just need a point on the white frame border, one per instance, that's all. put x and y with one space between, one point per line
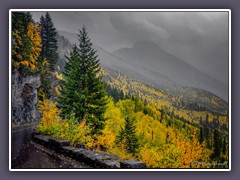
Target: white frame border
121 10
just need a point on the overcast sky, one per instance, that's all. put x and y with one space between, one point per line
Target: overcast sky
199 38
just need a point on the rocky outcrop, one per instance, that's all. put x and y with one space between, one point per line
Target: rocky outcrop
24 98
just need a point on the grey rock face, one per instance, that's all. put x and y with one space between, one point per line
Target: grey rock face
132 164
24 98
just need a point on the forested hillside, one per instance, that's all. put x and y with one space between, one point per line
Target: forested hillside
190 104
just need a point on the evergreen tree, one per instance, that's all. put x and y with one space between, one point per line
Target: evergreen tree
121 95
224 148
120 137
83 90
49 56
201 121
45 90
172 114
127 136
131 139
167 138
169 122
162 113
207 120
20 21
217 144
201 137
49 41
207 136
29 17
139 105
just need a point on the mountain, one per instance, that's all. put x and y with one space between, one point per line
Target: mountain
179 98
149 56
148 63
112 61
64 47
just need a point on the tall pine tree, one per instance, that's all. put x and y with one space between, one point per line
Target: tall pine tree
45 90
127 136
131 139
207 120
207 136
217 144
201 137
224 148
83 92
49 41
49 55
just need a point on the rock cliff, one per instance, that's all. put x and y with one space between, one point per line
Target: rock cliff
24 98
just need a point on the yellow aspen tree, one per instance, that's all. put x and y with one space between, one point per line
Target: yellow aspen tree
26 56
35 40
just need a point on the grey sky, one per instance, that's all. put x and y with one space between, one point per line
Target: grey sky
199 38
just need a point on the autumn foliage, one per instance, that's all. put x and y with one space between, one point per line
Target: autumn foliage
69 129
27 47
159 145
137 122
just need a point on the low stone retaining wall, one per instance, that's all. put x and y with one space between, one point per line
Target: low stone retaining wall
93 159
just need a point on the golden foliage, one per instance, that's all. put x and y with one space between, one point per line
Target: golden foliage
160 145
179 152
50 116
69 129
58 75
35 42
159 98
113 123
27 56
74 132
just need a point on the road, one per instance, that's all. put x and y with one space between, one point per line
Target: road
26 155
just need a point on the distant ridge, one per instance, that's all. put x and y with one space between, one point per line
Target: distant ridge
148 63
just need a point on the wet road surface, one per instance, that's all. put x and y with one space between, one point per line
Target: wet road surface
27 155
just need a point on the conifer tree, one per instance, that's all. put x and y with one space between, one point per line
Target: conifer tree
131 139
201 121
45 90
172 114
207 136
201 137
49 56
20 21
121 95
127 136
120 137
83 92
217 144
207 120
167 138
224 148
162 112
49 41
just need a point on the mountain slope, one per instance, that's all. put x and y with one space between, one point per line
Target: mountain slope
188 103
155 87
64 48
148 63
147 55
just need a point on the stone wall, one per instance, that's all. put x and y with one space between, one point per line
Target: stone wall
89 157
24 98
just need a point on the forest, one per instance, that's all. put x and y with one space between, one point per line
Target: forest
108 111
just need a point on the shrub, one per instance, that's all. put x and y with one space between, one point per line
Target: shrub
69 129
50 117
